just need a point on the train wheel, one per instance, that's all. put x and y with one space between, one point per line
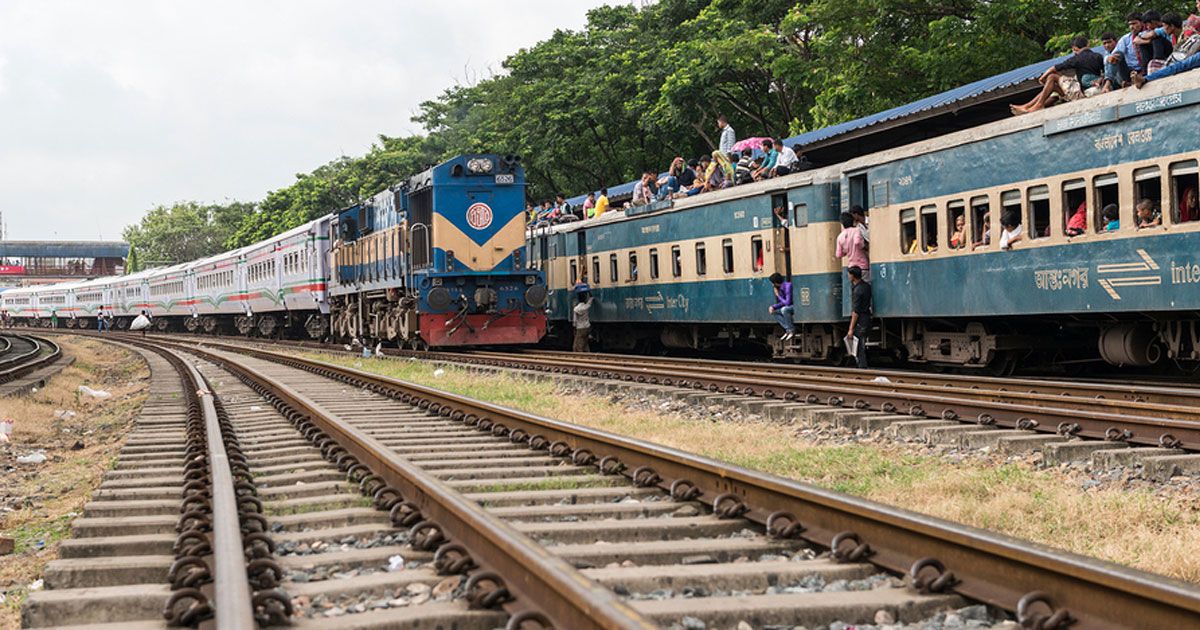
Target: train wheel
267 325
210 325
191 324
162 324
316 326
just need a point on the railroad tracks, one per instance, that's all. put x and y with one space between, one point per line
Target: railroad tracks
545 523
25 362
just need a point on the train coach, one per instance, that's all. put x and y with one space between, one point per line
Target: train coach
692 273
437 261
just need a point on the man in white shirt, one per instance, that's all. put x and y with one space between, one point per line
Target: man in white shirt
786 162
728 137
1010 224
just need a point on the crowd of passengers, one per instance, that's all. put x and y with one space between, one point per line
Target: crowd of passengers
1155 47
733 163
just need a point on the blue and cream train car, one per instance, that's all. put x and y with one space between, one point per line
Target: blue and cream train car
1130 296
437 261
694 273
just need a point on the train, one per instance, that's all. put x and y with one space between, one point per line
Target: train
693 274
434 261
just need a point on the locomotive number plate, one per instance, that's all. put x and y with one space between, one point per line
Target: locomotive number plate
506 178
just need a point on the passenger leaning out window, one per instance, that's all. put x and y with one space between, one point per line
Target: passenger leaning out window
1148 215
1112 217
1010 229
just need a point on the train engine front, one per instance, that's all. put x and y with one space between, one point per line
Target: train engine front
437 261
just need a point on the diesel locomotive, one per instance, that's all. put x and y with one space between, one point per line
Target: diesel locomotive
435 261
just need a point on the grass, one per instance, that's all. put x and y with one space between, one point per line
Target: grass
44 499
549 483
1141 528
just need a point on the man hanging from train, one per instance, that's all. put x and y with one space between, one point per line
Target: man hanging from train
783 309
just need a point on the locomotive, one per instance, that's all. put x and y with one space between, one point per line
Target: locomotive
434 262
693 273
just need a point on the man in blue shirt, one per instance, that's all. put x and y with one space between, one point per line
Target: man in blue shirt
1126 57
770 157
782 309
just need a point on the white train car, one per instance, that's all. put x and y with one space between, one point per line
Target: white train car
87 300
286 278
170 297
55 302
131 296
218 289
20 304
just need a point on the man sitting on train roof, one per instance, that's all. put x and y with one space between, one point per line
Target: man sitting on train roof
1088 67
1186 55
1125 57
644 192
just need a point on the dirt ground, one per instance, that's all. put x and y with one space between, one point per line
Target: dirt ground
1152 527
79 436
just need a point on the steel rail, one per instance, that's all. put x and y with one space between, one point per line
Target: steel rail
918 400
1043 585
540 581
20 365
7 345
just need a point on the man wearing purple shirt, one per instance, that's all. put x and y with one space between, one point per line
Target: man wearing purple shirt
782 308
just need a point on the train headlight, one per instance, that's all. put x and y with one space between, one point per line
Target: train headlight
439 298
480 165
535 296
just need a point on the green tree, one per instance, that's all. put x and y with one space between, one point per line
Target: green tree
184 231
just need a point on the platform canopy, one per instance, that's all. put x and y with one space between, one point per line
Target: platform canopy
63 249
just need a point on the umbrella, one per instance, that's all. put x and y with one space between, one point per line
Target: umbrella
749 143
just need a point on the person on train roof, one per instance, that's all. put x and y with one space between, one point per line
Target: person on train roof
743 173
1125 58
1088 67
589 205
851 246
669 184
1148 215
1186 55
786 163
1154 50
768 164
1112 217
728 135
601 204
643 191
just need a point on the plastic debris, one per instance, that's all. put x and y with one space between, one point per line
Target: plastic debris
94 393
379 349
64 414
6 426
141 322
439 372
37 585
881 379
35 457
395 563
255 408
366 352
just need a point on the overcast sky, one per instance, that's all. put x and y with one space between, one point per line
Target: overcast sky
108 108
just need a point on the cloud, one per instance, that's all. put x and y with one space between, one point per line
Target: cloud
109 108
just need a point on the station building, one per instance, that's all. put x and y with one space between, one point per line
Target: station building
25 263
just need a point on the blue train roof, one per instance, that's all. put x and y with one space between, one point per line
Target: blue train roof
64 249
945 101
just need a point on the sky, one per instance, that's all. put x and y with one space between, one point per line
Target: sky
110 108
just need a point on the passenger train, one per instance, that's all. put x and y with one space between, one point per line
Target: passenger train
693 273
433 262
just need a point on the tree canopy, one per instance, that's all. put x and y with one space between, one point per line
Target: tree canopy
638 86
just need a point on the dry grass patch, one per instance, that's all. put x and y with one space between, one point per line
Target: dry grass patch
37 502
1152 531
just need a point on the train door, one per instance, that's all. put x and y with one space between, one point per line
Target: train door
580 262
858 191
781 213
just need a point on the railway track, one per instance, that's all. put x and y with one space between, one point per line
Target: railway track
25 362
504 517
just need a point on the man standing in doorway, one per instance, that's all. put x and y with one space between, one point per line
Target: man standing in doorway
728 137
860 314
581 317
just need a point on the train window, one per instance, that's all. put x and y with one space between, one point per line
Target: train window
1039 211
633 268
958 233
653 263
929 227
1185 185
701 260
1106 193
800 215
1147 183
596 269
1010 207
779 209
574 272
756 254
612 267
1074 207
727 255
676 261
908 231
981 216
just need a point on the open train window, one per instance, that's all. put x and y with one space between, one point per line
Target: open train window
957 211
654 263
1185 187
612 267
929 227
1039 211
1106 192
596 269
676 261
1074 194
727 255
981 217
756 254
1147 184
633 268
1010 207
908 231
574 272
701 260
